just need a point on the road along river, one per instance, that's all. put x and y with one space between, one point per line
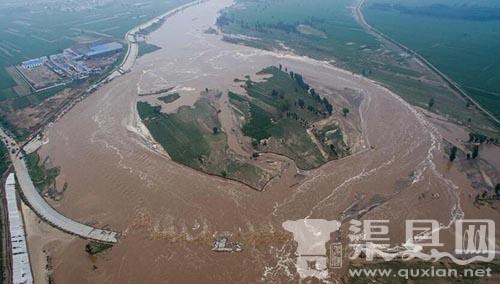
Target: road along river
43 209
168 214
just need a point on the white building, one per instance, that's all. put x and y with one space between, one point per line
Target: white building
32 63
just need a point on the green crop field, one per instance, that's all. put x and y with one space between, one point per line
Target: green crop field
30 30
462 38
180 134
193 137
327 30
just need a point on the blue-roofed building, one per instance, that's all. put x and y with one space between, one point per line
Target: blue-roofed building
101 49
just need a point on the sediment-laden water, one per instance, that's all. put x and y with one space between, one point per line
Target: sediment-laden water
168 213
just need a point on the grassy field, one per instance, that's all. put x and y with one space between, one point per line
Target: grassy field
169 98
43 177
332 33
193 137
34 99
4 158
145 48
279 112
181 136
19 133
93 248
461 41
34 30
271 21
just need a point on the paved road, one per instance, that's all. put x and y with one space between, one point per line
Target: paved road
42 208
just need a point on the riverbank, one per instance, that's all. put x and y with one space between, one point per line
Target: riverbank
133 46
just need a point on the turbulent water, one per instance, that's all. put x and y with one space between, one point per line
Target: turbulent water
168 213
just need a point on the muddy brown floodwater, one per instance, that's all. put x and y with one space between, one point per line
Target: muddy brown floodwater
168 213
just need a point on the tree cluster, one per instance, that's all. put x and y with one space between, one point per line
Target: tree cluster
480 138
300 81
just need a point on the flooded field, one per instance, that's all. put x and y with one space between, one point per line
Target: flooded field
169 214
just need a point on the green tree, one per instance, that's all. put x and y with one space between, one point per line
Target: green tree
345 111
453 153
475 151
431 102
301 103
284 106
328 106
313 92
255 143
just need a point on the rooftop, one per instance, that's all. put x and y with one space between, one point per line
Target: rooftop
100 49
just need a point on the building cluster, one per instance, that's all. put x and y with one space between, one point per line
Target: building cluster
21 268
71 64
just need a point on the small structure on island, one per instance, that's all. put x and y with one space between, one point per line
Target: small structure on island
222 244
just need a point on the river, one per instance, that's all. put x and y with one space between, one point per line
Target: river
168 213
